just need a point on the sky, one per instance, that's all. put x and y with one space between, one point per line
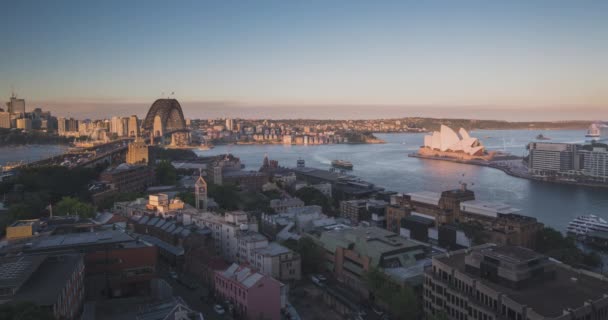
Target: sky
512 60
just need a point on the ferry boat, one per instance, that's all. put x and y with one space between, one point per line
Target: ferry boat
342 164
542 137
583 225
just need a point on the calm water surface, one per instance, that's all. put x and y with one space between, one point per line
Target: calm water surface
388 165
28 153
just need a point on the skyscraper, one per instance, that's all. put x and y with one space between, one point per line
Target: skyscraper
133 126
16 106
229 124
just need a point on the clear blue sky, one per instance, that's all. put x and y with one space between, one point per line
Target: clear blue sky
392 57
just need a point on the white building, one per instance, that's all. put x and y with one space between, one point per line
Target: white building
278 262
448 140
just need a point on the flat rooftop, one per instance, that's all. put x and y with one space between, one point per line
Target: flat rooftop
66 241
14 271
273 249
45 285
512 254
21 223
569 289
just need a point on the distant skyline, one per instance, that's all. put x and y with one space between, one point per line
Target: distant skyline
509 60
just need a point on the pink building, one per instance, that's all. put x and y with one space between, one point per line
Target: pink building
253 295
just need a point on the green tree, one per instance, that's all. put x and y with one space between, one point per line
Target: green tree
401 300
108 202
73 206
226 196
187 197
552 243
312 196
166 173
24 311
312 255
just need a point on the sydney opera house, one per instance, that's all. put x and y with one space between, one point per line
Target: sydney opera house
447 143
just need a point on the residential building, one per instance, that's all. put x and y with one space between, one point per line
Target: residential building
354 210
252 295
226 231
509 282
52 282
370 210
284 204
595 163
278 262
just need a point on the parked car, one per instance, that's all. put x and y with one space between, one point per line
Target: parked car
218 309
321 277
317 281
173 274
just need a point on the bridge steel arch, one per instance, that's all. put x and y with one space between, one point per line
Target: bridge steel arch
170 113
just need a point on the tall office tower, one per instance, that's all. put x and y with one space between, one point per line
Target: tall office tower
133 126
16 106
114 124
5 120
124 129
72 125
229 124
62 126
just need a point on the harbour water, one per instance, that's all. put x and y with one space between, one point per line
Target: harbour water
29 153
388 165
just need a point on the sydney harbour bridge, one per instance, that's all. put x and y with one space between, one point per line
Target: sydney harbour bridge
166 118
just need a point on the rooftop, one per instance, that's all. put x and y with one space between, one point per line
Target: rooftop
14 271
45 285
425 197
21 223
70 240
373 242
243 275
273 249
570 289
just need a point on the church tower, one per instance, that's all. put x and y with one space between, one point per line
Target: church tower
200 193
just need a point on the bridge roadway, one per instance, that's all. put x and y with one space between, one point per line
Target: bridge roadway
83 157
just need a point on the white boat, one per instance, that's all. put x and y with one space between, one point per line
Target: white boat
583 225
